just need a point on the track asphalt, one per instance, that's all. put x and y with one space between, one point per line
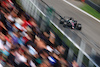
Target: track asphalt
90 27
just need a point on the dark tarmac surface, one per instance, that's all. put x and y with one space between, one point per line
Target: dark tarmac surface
90 27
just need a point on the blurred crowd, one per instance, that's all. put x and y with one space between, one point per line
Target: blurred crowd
22 44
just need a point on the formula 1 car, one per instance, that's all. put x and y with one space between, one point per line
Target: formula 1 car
70 22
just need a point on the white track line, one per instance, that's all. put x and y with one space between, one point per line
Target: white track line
37 8
67 37
74 43
81 10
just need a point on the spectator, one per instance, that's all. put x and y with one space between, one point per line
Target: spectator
21 42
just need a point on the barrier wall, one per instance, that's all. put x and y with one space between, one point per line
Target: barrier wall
46 17
96 2
93 4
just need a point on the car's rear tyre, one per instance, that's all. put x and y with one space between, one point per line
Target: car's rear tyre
61 21
79 26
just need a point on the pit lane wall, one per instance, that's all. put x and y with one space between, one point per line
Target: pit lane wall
93 3
48 20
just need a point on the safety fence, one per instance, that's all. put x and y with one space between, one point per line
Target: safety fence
48 19
96 2
93 3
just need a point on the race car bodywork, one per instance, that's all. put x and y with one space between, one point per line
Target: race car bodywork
70 22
